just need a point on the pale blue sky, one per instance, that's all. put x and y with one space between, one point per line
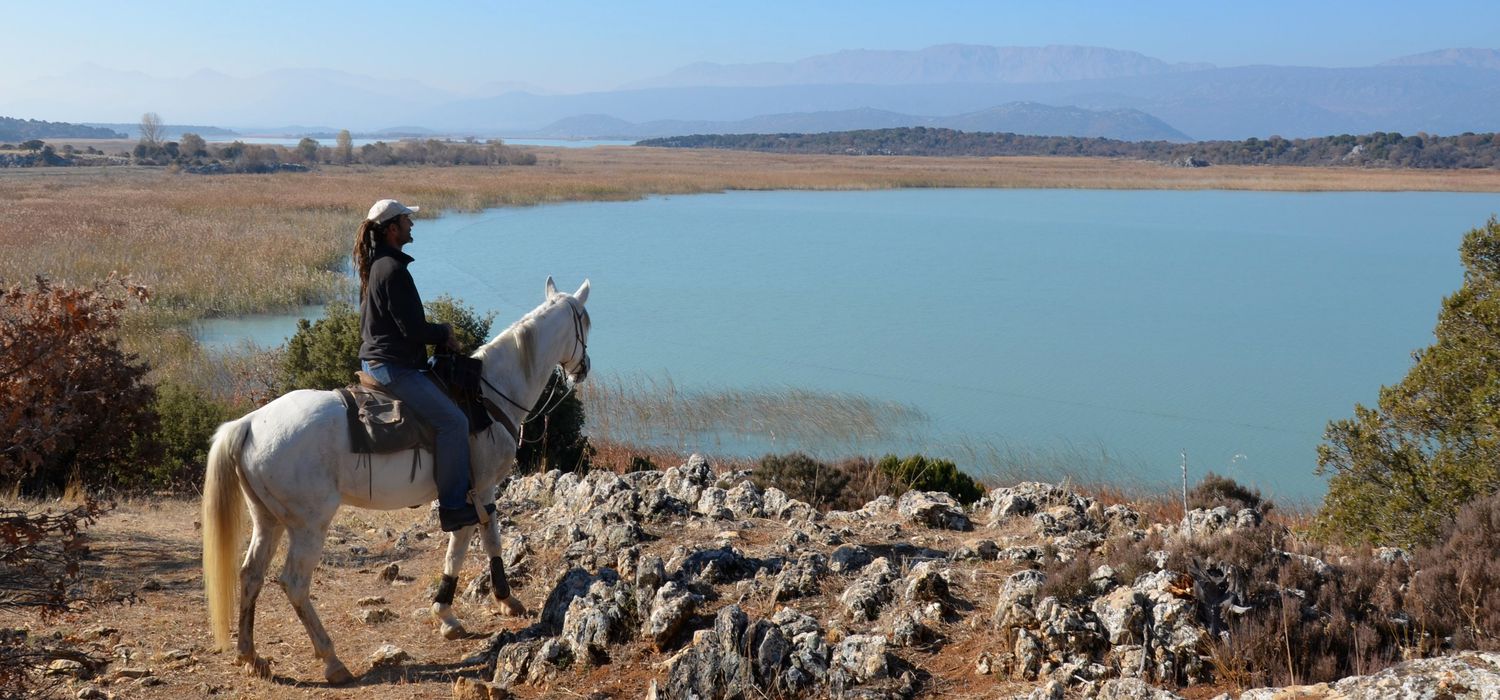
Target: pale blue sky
568 45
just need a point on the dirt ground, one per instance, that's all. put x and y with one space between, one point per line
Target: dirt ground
151 548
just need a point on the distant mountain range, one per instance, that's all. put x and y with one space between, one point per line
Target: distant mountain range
1448 91
1016 117
949 63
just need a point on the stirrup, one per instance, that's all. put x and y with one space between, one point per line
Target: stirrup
484 516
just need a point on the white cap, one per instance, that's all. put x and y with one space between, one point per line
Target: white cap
387 209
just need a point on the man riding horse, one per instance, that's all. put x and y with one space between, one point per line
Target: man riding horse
394 335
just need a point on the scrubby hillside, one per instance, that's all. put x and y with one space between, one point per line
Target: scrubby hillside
692 583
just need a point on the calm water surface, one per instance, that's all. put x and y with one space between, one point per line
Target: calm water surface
1137 323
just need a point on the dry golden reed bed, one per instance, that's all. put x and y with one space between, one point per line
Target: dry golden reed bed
232 244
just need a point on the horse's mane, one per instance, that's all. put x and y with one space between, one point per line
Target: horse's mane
522 336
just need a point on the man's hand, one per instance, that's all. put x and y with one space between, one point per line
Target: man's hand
452 338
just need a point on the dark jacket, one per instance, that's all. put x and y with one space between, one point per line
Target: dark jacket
392 324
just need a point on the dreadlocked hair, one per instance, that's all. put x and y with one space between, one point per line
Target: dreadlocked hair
364 251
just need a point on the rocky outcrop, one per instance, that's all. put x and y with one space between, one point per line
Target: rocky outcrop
729 590
1465 676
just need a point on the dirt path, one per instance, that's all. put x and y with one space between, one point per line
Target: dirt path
151 549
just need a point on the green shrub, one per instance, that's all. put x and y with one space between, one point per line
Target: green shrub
471 328
562 444
927 474
1214 491
641 463
323 354
186 421
802 478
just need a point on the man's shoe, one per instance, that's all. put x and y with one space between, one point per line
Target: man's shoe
451 519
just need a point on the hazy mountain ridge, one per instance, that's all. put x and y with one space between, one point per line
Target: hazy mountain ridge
1017 117
947 63
1488 59
1444 92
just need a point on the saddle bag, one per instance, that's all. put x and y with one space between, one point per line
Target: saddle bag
379 422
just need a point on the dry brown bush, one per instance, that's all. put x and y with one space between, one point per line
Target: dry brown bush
1458 580
70 399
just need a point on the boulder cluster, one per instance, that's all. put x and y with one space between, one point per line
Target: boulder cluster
728 590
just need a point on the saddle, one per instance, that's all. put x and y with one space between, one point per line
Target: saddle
380 422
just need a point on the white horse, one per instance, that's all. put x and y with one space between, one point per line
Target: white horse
290 461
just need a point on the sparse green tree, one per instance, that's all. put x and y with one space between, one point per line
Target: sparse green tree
33 145
307 150
192 146
343 151
1399 472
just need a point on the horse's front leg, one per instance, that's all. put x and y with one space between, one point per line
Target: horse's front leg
442 603
489 536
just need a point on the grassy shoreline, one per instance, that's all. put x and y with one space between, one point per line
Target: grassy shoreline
226 245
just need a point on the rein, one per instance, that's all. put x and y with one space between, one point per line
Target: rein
550 403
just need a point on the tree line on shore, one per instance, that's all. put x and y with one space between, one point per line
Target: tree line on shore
1378 149
191 152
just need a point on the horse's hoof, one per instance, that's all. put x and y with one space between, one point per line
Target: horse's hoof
512 607
337 674
256 665
453 631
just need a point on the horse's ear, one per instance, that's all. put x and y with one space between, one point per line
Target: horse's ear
551 288
582 295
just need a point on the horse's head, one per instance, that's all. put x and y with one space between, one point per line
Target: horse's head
577 362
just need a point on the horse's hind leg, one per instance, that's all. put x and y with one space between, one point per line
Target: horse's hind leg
303 552
263 540
453 562
489 536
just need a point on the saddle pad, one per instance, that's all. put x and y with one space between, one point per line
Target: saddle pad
379 422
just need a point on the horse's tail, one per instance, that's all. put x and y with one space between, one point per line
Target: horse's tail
223 517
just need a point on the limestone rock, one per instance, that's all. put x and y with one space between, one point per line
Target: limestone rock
66 667
745 501
376 616
980 550
1464 676
862 657
800 578
1132 689
388 655
595 619
934 509
926 583
471 689
673 605
866 596
849 558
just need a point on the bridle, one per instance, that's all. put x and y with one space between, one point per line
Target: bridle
555 397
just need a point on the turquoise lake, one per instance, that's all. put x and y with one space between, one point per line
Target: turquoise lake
1132 324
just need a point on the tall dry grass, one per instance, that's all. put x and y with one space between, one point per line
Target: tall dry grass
653 410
